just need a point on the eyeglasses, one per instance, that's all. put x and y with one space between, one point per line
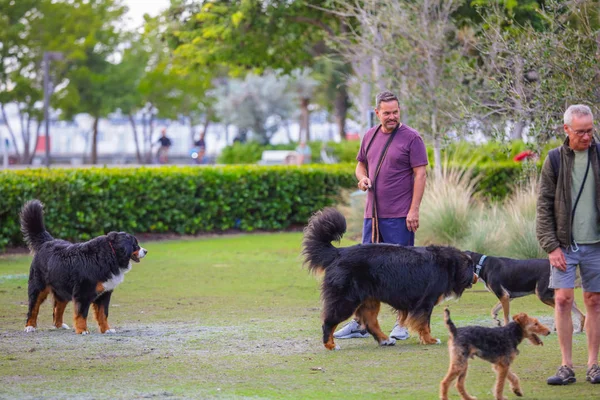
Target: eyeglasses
589 132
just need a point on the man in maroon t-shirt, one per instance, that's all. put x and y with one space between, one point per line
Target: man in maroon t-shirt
392 163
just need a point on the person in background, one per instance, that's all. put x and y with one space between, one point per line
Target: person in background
164 144
304 153
200 146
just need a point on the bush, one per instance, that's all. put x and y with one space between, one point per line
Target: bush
446 208
248 153
83 203
453 213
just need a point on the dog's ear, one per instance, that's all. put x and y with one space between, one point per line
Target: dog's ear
521 319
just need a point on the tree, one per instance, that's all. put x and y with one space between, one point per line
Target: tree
304 86
94 83
167 88
131 71
254 36
17 22
257 103
531 75
416 49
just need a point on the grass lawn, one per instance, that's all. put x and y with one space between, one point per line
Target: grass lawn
238 317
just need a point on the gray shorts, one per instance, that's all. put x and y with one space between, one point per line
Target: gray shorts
588 259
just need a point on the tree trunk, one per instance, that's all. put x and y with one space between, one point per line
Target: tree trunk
363 69
517 132
147 139
437 146
35 142
10 132
24 136
341 110
138 155
304 121
288 132
192 133
150 131
94 159
206 123
379 71
403 97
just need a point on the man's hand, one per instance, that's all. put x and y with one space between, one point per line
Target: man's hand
364 184
412 220
557 259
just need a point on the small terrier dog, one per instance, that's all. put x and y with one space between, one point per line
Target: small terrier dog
496 345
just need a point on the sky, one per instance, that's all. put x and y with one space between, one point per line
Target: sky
137 9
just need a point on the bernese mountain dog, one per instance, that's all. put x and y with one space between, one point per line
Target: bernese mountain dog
86 273
358 278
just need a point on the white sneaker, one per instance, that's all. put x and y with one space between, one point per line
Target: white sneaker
399 332
351 330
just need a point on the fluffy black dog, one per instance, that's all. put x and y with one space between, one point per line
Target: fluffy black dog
358 278
86 273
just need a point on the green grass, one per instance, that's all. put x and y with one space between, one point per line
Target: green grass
238 317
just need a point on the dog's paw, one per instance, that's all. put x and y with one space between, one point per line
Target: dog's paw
518 392
337 347
29 329
438 341
388 342
109 331
63 326
85 333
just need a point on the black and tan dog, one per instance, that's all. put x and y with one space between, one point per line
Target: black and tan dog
86 273
358 278
509 278
496 345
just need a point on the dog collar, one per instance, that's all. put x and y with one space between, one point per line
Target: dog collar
480 264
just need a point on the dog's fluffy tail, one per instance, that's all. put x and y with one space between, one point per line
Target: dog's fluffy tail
32 225
449 324
323 228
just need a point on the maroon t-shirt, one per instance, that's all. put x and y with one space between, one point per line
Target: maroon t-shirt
394 184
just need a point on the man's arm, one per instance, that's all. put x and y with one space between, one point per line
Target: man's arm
412 219
364 182
545 223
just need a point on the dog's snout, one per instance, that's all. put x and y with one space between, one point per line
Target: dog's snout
142 253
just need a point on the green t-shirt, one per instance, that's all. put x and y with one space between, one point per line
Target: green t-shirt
585 226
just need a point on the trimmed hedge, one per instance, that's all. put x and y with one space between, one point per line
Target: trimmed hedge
83 203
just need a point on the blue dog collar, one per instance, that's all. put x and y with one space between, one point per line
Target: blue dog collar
480 264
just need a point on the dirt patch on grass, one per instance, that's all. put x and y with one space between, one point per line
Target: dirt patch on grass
159 338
